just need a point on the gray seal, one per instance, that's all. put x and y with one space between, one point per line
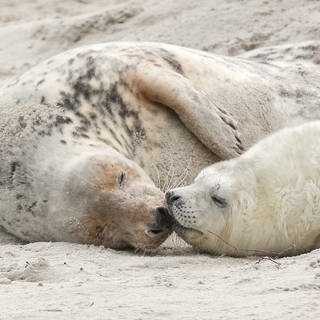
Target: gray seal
88 138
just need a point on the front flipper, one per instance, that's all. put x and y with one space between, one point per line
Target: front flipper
216 129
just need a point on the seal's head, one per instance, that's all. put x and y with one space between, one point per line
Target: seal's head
117 203
210 213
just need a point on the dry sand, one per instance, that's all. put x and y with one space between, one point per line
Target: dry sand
67 281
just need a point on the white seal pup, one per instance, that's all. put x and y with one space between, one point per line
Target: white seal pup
86 135
265 202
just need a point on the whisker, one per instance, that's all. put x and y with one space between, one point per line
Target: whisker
184 174
165 185
266 252
224 241
170 185
158 175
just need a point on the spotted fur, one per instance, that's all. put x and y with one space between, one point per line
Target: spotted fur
159 113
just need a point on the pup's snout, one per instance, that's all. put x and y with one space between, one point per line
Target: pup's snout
171 197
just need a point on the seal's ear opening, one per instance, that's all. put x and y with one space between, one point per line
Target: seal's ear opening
216 129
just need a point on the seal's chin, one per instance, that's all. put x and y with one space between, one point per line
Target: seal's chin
184 232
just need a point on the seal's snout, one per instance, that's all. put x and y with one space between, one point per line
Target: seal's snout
163 217
171 197
163 223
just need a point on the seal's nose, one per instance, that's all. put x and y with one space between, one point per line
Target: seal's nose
163 223
171 197
162 217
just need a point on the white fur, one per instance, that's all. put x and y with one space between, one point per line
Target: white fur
273 196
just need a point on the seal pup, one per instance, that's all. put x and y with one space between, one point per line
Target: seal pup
265 202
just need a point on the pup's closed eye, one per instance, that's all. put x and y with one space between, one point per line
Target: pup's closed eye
219 201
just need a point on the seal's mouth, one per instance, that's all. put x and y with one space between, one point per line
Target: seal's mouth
181 230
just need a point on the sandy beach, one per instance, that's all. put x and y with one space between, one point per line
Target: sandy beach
70 281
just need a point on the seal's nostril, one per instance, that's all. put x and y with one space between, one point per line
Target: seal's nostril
156 231
161 211
162 223
175 198
163 217
171 197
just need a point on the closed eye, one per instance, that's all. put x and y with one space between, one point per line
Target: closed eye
121 179
219 202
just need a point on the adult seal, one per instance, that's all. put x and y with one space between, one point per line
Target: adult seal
91 137
265 202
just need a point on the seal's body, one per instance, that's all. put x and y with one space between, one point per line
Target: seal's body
265 202
86 135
